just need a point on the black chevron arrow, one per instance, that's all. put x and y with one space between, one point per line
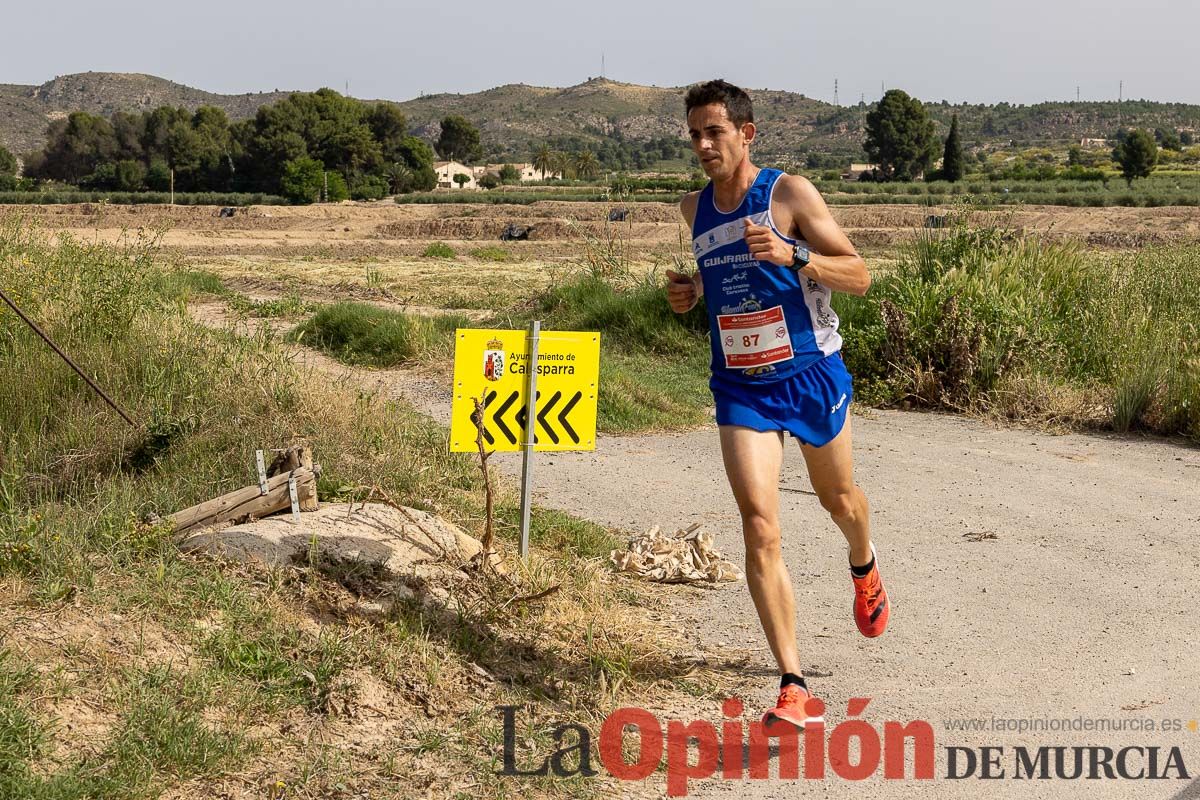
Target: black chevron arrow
498 417
562 417
522 416
541 417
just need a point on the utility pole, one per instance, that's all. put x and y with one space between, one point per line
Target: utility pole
601 63
835 92
1076 94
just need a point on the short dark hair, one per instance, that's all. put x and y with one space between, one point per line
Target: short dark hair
736 101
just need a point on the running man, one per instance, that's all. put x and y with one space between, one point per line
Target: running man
769 256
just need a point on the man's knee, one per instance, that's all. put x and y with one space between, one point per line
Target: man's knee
842 504
761 532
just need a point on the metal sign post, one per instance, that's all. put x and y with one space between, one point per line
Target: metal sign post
535 329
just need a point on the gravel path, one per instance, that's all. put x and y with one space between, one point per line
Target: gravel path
1031 576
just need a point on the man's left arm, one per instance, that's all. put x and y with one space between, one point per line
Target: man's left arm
803 213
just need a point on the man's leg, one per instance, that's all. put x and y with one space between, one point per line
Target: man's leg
831 470
752 462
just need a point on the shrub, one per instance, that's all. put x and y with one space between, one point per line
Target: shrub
493 253
439 250
369 187
363 334
302 180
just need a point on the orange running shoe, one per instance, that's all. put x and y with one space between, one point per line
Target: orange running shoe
793 706
871 607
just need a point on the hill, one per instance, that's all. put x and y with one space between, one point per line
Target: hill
26 110
515 119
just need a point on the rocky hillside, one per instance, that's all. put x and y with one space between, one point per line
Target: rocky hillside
515 119
25 110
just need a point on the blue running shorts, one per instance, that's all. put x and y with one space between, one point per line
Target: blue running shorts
811 405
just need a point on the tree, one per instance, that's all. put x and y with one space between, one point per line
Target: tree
489 180
461 179
390 129
129 175
509 174
459 140
214 149
8 162
334 187
586 165
415 153
424 179
900 136
303 180
399 176
129 128
1168 139
543 160
368 187
1137 154
562 163
75 146
952 159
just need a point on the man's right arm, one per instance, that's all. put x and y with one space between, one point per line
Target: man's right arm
684 291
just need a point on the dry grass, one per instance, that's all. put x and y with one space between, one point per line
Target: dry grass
297 677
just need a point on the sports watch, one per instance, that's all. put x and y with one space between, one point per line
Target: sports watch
800 257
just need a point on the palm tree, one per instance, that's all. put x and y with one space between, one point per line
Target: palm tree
543 161
562 163
586 165
398 175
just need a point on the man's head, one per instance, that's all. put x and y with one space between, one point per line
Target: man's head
721 126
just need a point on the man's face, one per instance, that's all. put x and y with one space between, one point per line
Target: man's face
718 143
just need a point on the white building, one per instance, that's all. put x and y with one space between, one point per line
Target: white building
446 170
527 172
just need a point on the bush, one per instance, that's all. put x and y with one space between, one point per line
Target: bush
369 187
967 312
421 179
439 250
335 187
302 180
158 176
492 252
363 334
509 174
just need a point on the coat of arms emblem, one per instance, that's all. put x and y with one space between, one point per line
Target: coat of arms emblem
493 360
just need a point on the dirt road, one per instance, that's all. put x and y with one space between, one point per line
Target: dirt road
1032 576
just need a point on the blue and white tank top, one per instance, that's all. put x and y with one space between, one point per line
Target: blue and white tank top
767 322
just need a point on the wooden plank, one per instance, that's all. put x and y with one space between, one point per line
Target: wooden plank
248 501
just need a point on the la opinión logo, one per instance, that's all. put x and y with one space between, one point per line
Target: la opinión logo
738 750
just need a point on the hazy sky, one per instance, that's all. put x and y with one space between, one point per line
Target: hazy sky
979 51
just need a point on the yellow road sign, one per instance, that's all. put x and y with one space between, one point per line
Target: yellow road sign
493 366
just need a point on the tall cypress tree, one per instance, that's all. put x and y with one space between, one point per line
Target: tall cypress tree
952 160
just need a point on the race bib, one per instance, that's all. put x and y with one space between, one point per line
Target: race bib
754 339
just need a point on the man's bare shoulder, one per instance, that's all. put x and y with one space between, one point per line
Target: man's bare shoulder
687 206
797 190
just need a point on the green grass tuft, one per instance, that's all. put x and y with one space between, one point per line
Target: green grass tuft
358 333
439 250
494 253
